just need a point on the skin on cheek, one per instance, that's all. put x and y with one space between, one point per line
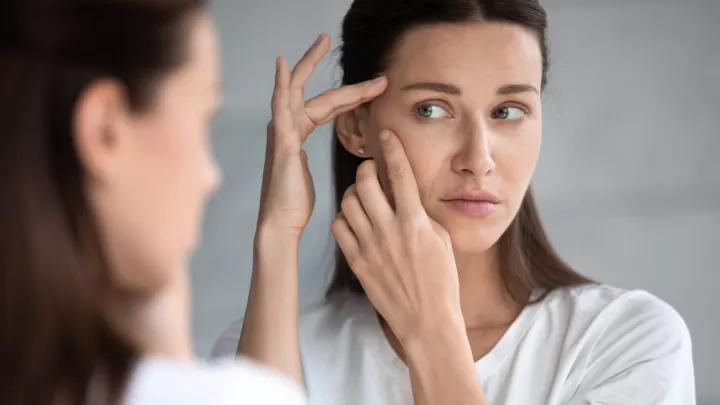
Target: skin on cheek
416 139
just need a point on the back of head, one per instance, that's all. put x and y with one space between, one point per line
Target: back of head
54 338
371 32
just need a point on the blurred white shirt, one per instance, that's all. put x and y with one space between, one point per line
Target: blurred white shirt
590 345
162 381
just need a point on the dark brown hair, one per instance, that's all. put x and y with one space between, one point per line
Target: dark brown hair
56 345
370 31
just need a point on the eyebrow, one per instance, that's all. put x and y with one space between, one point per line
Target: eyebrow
516 88
434 86
455 90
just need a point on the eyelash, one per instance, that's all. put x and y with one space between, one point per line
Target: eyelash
431 104
525 110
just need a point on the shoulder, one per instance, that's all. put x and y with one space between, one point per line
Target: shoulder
621 346
625 344
604 307
167 381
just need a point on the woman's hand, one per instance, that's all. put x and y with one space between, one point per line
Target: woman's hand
287 196
270 327
403 259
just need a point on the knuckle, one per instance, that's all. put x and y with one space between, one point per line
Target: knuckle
345 205
366 175
414 224
337 224
349 193
349 204
366 170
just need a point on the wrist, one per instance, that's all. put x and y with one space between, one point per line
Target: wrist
444 331
277 239
276 252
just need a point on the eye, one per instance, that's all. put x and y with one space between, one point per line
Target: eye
508 113
432 111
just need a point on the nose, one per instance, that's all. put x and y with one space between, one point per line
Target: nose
474 156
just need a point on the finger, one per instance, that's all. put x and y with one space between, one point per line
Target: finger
400 175
305 67
356 216
371 195
280 105
346 239
327 106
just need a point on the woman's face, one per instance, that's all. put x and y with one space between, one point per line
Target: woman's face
150 182
464 99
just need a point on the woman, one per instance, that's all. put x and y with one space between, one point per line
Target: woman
474 305
105 166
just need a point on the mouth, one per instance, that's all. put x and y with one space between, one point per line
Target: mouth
475 203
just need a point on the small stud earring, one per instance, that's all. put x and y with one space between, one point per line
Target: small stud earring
361 151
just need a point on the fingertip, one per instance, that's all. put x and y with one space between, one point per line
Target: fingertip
377 85
322 40
279 64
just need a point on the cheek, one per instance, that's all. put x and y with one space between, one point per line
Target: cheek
426 144
516 157
179 174
183 156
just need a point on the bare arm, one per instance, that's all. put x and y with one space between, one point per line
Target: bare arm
270 329
442 370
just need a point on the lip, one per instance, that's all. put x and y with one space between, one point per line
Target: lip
473 202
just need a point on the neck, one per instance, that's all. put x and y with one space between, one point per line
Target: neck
157 324
484 299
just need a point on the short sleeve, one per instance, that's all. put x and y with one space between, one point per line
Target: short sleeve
160 381
643 358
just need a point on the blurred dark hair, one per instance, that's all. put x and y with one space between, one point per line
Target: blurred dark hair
370 31
56 345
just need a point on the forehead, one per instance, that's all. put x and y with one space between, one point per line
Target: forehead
203 48
201 69
466 53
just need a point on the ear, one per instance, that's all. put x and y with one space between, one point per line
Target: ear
99 119
349 128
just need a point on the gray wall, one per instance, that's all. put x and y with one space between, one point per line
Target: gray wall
628 180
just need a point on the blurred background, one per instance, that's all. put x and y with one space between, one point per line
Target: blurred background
628 181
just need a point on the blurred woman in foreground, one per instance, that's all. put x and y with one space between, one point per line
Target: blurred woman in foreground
105 167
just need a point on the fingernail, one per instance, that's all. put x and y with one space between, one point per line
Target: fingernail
319 38
384 135
378 80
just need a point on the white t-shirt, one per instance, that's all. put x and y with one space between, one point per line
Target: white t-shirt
162 381
590 345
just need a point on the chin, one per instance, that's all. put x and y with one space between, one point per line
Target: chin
472 243
470 236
